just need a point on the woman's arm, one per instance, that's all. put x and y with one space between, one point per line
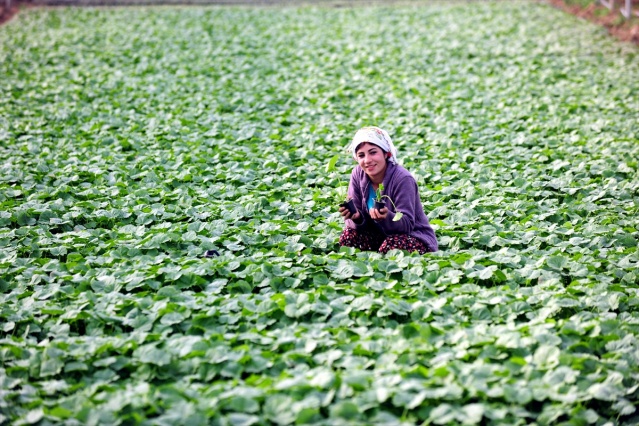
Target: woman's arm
405 196
355 192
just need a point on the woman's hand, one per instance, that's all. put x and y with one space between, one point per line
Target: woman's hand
378 215
346 214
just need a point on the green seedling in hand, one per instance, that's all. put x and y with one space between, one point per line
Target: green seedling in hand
379 198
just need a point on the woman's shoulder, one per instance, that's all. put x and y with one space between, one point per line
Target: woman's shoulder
358 172
400 173
358 175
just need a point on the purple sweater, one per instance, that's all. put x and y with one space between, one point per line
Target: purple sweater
401 187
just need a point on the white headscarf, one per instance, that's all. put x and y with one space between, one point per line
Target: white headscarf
376 136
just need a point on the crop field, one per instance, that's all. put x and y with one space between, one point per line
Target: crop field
133 140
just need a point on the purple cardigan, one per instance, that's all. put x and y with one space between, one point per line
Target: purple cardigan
401 187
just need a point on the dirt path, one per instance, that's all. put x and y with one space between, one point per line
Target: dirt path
617 26
7 14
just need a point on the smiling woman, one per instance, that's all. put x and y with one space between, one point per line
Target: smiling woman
403 225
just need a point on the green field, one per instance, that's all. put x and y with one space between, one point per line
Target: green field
132 140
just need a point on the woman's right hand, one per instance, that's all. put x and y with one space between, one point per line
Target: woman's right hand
346 214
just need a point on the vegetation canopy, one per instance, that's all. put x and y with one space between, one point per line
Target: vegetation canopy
134 140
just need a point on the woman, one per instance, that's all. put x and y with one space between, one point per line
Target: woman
375 230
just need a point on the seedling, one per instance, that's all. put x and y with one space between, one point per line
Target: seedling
349 203
343 198
380 204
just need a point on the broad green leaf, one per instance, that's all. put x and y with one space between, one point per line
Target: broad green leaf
546 357
557 262
330 166
345 410
279 409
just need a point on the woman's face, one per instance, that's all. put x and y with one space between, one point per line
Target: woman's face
372 160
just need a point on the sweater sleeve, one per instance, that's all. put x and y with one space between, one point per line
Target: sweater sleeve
355 192
405 197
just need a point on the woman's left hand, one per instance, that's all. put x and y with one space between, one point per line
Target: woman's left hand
378 215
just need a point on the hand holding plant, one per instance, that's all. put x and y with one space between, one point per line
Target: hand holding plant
347 206
345 201
377 212
344 210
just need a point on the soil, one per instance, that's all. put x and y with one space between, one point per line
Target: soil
7 14
619 27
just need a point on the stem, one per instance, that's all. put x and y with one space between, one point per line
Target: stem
389 199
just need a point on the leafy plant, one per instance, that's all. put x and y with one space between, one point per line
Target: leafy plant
342 192
378 193
379 198
134 140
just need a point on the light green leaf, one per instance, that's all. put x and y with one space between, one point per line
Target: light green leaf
330 166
